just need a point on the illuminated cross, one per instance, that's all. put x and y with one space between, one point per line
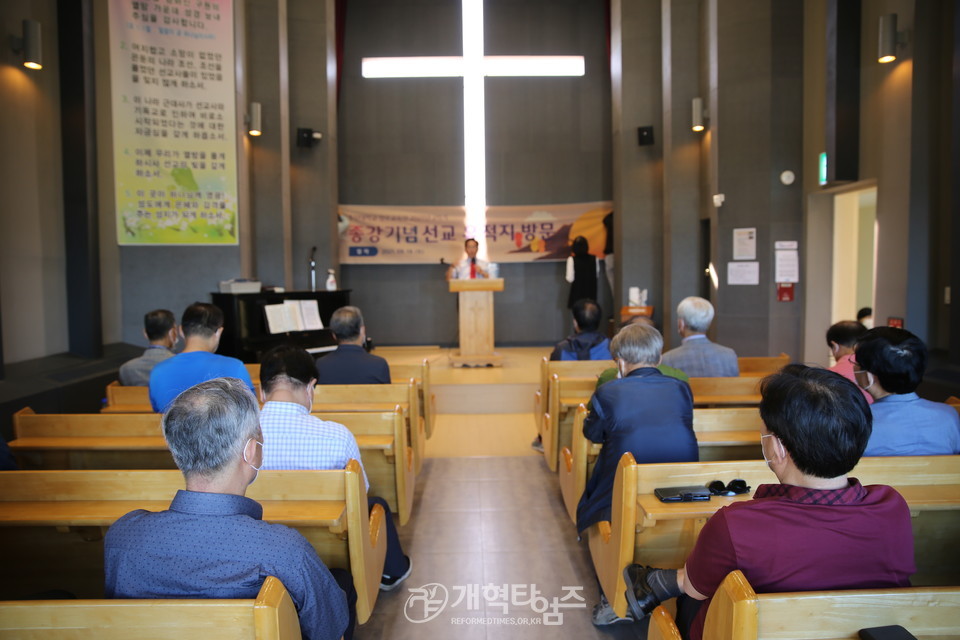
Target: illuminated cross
473 66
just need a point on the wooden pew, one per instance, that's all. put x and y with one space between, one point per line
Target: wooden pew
726 392
254 370
954 402
564 369
420 373
348 398
576 464
728 433
389 466
565 394
722 434
662 626
121 399
89 441
52 522
271 616
134 441
738 613
643 529
754 366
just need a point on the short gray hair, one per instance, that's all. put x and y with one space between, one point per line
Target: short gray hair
696 313
637 344
208 425
346 322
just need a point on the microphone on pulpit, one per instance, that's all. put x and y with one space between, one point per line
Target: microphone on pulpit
313 269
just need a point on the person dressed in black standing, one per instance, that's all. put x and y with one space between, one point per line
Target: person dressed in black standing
582 272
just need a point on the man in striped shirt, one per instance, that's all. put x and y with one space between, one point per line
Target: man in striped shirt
294 439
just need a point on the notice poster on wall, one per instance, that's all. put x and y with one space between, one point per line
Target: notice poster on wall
425 235
174 121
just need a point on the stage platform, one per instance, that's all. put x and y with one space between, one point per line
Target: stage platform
485 411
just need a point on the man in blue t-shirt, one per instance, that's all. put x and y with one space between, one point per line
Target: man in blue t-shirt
201 327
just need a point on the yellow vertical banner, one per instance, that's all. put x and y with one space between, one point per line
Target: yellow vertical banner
174 121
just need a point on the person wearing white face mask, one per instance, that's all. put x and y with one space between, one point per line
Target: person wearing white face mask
889 365
212 542
643 412
299 440
841 338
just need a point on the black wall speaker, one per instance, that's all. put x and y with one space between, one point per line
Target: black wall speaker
644 136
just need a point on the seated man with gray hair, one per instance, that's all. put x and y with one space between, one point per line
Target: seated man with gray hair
212 541
643 412
697 356
350 363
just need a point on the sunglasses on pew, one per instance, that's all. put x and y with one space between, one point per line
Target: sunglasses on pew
734 488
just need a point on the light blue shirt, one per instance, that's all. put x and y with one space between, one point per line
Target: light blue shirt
906 425
294 439
175 375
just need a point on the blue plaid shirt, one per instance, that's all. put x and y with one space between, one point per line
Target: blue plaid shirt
294 439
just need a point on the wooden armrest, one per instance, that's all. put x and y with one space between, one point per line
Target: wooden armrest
374 441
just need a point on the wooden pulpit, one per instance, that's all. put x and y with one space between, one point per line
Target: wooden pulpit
476 322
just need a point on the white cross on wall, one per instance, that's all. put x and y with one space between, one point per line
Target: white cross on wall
473 66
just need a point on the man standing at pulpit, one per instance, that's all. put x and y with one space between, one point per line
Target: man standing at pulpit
471 267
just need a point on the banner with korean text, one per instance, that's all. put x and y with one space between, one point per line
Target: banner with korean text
174 121
425 235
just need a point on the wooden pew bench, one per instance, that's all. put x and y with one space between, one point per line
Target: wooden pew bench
52 523
738 613
420 374
134 441
271 616
350 398
726 392
389 466
713 393
643 529
566 394
121 399
954 402
722 434
762 366
563 369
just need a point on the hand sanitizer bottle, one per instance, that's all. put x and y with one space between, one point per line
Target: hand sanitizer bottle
331 280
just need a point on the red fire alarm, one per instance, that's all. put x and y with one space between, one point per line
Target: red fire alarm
896 323
784 292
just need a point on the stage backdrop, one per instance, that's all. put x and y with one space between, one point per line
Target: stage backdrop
424 235
174 121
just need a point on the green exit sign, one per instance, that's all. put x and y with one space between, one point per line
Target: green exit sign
823 168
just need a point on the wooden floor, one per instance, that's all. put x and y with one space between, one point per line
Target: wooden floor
488 512
480 411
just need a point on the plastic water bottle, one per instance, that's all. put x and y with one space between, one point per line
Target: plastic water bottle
331 280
